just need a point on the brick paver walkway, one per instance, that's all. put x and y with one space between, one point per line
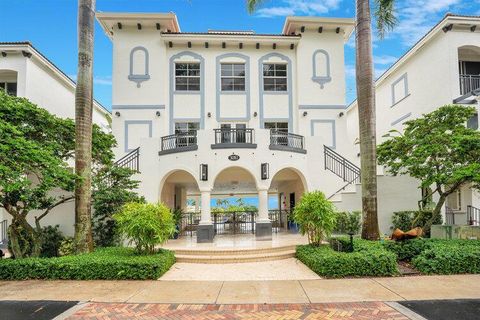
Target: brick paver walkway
344 311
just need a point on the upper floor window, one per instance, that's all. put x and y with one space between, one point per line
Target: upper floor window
277 126
274 77
233 76
187 76
186 127
9 87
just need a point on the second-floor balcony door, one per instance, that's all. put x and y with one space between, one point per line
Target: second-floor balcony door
233 132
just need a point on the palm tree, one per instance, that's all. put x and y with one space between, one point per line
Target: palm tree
83 126
385 18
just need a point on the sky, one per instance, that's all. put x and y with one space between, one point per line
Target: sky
51 26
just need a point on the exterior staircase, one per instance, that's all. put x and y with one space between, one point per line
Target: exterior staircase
215 256
343 168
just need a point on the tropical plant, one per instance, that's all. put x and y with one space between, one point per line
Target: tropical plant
349 222
112 188
145 224
385 20
316 216
437 149
83 127
35 147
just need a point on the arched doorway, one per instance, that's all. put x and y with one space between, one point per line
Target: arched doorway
287 186
234 201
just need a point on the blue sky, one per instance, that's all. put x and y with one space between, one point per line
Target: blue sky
51 26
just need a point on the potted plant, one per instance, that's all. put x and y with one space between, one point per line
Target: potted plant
292 225
177 218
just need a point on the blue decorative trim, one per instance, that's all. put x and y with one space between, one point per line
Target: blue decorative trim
322 80
401 118
219 86
129 122
321 106
137 107
404 78
173 92
139 78
262 92
334 132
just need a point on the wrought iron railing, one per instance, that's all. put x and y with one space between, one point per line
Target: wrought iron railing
237 222
130 160
234 136
189 223
340 166
279 219
473 216
287 140
3 232
179 141
449 216
468 83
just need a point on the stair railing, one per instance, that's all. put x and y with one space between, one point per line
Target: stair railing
341 166
473 216
130 160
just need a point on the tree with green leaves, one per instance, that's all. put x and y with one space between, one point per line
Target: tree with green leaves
83 129
385 20
437 149
35 175
113 187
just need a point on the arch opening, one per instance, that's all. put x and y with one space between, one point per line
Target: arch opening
287 187
180 190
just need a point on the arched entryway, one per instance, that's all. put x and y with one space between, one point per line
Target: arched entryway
179 190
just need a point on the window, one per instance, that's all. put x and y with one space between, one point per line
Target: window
274 77
278 126
233 76
9 87
454 200
187 76
186 133
233 132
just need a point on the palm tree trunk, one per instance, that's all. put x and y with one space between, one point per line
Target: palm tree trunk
366 115
83 126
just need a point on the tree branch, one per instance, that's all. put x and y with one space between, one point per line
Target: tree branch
64 200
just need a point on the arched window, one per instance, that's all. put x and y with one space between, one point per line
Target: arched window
138 65
321 67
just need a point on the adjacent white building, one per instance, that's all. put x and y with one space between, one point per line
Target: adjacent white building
25 72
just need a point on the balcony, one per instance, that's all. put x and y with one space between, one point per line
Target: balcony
281 140
179 142
227 138
469 83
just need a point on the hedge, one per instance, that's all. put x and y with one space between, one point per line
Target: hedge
368 259
438 256
103 264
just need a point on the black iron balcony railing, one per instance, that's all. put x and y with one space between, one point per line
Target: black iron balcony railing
130 160
468 83
179 142
473 216
281 140
234 138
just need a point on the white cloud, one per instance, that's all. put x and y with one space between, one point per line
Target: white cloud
350 71
384 59
417 17
299 7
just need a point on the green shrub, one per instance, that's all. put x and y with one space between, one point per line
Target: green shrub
146 225
349 222
368 259
406 220
103 264
449 259
51 240
407 250
67 247
316 216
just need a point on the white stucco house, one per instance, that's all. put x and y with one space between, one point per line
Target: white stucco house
442 68
26 72
216 114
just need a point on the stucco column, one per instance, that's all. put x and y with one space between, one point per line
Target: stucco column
263 227
206 217
263 206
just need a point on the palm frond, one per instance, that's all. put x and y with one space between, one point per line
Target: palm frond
385 16
252 5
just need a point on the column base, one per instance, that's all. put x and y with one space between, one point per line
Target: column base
263 231
205 233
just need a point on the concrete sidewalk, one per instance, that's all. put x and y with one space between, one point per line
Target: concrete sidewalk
248 292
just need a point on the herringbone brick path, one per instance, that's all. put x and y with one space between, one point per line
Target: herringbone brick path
343 311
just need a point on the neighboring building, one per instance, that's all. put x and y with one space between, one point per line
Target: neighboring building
442 68
230 113
25 72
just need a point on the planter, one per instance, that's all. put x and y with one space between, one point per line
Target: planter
293 226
